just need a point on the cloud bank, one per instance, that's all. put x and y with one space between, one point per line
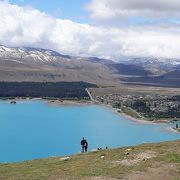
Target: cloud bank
25 26
116 9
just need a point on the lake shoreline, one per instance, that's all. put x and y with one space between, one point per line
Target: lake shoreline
114 110
142 121
68 102
61 103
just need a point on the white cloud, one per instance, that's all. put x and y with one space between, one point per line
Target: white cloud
24 26
116 9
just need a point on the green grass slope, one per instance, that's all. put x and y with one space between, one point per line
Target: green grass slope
146 161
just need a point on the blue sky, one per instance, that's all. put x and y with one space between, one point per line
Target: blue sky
64 9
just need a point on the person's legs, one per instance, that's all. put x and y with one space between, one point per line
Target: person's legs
82 149
85 148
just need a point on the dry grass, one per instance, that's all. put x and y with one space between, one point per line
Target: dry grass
92 166
134 90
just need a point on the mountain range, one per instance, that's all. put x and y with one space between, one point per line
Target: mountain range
44 65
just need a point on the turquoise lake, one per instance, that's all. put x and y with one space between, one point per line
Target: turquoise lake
33 129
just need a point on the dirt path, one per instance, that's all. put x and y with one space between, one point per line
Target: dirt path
157 172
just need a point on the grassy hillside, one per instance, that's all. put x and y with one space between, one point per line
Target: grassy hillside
130 70
146 161
159 81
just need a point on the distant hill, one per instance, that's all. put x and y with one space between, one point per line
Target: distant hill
161 63
131 70
26 64
170 79
172 75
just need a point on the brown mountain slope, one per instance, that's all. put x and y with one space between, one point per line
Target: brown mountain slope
69 71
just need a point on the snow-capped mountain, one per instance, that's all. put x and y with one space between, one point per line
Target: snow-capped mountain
26 54
144 61
39 55
36 64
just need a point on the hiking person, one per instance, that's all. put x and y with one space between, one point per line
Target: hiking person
84 145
